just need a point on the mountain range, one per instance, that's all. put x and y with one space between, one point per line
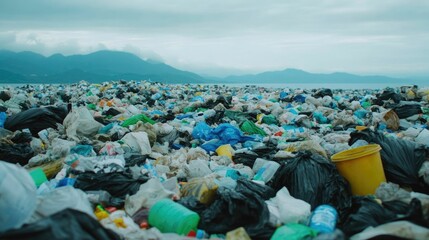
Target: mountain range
101 66
30 67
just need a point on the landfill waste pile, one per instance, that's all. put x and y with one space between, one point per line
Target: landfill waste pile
144 160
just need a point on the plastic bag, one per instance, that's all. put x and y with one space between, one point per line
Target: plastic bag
251 128
225 133
134 119
388 95
314 179
391 119
16 153
149 193
203 189
117 184
80 123
67 224
291 210
243 206
3 118
138 142
401 159
366 212
407 110
60 199
423 137
36 119
18 196
394 230
323 92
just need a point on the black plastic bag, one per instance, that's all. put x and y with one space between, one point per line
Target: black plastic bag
366 212
21 137
5 96
118 184
239 117
192 203
216 119
388 95
16 153
314 179
243 206
112 112
67 224
220 100
407 110
323 92
132 159
36 119
246 158
401 159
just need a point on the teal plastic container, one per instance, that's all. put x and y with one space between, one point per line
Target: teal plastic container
171 217
38 176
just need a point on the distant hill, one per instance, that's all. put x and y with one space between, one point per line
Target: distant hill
30 67
299 76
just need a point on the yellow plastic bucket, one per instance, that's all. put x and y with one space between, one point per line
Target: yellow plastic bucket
362 167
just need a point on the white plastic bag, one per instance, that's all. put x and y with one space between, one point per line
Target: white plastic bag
148 194
62 198
291 210
80 123
138 142
423 137
18 199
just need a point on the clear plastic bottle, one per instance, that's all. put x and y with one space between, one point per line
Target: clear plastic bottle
324 219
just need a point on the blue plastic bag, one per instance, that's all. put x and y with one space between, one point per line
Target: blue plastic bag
2 119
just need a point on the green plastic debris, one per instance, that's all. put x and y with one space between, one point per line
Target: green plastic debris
239 117
366 105
91 106
134 119
270 119
188 109
250 128
201 109
294 231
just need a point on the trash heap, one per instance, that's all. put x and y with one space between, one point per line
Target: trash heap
144 160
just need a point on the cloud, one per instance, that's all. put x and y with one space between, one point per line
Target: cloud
385 36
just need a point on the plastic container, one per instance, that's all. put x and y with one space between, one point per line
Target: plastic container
362 167
293 231
38 176
324 219
171 217
267 171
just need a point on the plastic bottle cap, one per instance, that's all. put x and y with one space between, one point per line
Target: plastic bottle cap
200 234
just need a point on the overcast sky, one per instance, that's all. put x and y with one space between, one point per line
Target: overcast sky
220 37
